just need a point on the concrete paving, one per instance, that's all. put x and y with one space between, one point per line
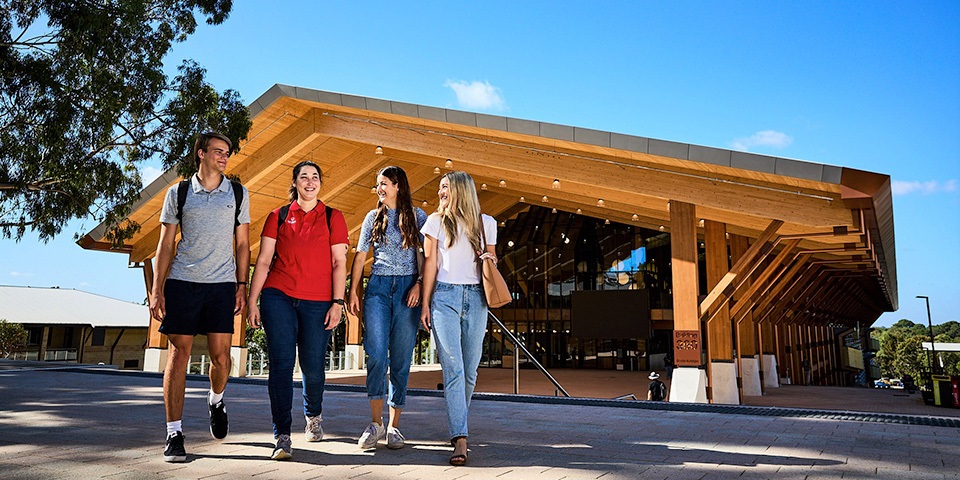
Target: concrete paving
75 423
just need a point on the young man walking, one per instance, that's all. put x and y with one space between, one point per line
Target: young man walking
199 289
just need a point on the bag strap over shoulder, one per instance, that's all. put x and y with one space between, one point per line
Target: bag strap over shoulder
285 210
183 188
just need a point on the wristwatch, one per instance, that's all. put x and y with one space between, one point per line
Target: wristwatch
339 301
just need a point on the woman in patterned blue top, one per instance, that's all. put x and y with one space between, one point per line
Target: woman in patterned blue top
391 303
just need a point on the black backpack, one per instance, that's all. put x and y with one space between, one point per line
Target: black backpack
182 198
660 391
284 210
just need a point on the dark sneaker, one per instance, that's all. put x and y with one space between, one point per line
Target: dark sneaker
218 420
284 449
174 452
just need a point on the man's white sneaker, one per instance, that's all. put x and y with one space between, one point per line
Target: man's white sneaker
395 439
373 434
313 431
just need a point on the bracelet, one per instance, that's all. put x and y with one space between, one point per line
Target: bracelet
242 283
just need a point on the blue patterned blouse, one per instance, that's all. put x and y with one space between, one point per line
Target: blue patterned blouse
389 259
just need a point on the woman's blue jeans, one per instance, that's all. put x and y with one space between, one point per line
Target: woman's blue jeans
459 317
390 333
291 323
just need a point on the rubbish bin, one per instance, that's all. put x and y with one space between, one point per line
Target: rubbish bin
955 391
942 391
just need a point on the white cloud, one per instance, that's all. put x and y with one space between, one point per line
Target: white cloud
148 174
477 95
20 274
766 138
901 187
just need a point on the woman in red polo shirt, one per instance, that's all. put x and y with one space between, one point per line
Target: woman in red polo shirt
301 272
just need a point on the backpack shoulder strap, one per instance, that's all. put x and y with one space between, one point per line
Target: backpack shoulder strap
238 196
182 197
282 215
329 212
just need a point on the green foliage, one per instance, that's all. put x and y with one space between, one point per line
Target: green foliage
900 351
13 337
84 100
910 358
256 341
887 355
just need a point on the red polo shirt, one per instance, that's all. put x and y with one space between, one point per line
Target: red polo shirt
302 266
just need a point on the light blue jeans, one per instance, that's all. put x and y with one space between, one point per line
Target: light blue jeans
459 316
390 333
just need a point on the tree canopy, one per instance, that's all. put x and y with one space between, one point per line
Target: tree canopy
84 100
12 337
900 352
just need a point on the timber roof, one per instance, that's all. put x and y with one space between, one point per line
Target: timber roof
843 217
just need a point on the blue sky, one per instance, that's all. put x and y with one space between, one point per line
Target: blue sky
867 85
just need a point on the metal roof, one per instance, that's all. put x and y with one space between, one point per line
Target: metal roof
61 306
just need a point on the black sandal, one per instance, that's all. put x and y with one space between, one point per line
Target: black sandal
459 459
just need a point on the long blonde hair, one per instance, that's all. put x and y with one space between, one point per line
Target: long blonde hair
462 210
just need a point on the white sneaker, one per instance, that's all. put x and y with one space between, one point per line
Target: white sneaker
373 434
313 431
395 439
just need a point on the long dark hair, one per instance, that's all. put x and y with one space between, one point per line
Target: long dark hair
296 172
406 218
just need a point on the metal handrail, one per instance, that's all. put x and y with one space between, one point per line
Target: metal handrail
516 364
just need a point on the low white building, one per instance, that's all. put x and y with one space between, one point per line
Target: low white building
76 326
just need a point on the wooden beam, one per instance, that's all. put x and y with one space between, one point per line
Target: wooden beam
591 172
683 249
740 270
719 328
762 280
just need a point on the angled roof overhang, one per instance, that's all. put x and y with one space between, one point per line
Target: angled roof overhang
844 216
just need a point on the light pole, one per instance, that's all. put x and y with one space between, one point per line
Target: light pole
933 348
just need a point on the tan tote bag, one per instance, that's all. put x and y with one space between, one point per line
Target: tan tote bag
494 286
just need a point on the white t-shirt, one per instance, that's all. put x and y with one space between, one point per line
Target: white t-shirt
458 264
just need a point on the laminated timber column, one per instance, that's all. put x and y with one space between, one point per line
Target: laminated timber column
748 360
354 339
723 378
155 355
689 383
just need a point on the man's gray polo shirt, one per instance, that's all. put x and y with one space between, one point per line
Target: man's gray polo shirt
205 253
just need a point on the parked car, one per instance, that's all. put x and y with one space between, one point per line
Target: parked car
880 384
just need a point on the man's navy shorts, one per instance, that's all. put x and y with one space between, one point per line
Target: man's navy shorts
198 308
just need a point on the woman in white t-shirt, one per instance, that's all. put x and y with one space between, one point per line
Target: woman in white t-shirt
456 237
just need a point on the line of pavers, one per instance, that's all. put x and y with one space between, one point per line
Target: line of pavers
933 421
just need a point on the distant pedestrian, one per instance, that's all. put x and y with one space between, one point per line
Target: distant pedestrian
668 364
302 273
657 391
391 302
200 282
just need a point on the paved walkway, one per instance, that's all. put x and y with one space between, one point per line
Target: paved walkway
59 424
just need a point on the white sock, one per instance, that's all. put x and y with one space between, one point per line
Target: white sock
214 398
174 427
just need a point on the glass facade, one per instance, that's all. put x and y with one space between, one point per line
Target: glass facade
545 256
